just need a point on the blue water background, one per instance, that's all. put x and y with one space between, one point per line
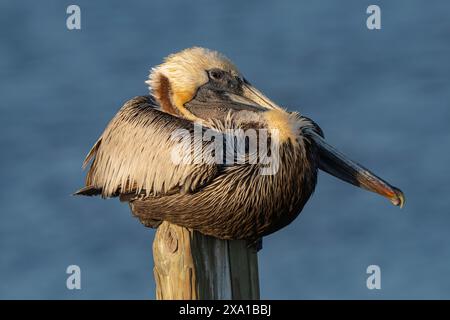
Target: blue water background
382 97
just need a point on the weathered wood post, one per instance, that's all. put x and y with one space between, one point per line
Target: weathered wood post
192 266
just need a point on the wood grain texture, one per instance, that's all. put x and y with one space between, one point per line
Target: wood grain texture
192 266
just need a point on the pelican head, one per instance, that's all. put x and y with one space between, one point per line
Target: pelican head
202 74
199 83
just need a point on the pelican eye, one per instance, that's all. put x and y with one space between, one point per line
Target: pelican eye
216 74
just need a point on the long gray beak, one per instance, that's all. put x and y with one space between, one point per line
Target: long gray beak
335 163
252 99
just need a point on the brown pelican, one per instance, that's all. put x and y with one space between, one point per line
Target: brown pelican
132 158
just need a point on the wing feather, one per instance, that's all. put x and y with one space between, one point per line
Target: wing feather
133 155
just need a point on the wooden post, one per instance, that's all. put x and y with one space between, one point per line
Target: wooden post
192 266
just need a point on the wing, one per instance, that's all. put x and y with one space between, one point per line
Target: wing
135 155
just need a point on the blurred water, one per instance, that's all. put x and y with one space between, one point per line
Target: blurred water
380 96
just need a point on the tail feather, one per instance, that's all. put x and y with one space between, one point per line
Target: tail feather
88 191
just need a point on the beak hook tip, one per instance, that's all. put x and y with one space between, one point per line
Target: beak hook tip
399 198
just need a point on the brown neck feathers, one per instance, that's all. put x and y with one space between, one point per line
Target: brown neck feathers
163 92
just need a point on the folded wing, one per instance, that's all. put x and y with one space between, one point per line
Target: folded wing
134 155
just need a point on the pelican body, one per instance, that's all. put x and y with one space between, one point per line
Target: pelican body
133 157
